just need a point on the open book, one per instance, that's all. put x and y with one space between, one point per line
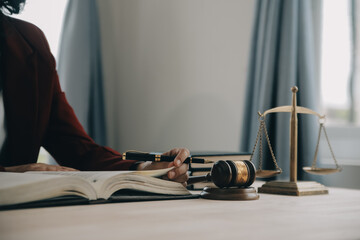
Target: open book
18 188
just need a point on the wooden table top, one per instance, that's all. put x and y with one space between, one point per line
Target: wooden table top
333 216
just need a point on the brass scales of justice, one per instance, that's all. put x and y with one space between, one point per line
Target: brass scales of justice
293 187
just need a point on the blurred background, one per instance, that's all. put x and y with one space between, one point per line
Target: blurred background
151 75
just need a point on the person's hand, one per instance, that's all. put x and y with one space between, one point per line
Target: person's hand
179 173
37 167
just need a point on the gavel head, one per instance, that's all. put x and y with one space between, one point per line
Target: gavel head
233 173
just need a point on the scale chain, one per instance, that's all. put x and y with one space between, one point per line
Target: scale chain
259 138
322 127
271 150
261 147
317 146
256 141
331 150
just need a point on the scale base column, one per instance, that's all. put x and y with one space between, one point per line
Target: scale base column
300 188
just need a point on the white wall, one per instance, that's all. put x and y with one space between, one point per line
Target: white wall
175 72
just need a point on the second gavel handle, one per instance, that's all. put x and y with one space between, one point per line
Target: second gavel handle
196 179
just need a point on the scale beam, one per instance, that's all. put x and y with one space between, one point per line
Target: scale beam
289 109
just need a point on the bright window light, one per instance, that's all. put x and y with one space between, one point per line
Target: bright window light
336 61
48 15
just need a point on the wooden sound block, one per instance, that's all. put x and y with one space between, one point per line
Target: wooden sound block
300 188
238 194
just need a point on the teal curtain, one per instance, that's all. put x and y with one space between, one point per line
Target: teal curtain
354 46
80 68
283 54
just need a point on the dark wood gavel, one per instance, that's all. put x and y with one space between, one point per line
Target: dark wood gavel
225 174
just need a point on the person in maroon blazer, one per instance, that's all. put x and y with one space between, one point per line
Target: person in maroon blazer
34 111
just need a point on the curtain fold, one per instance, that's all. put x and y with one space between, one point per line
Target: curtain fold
80 68
354 59
283 55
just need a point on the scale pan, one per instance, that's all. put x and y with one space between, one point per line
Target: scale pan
321 171
267 173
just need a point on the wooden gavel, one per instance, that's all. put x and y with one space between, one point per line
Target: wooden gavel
225 174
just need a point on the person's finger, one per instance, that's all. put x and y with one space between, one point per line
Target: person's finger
181 156
172 152
176 172
158 165
47 167
63 168
182 178
153 165
36 167
52 168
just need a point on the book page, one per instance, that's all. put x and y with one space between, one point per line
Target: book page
20 187
154 173
98 178
9 180
143 183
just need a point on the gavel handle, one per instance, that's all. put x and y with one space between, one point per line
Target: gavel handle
196 179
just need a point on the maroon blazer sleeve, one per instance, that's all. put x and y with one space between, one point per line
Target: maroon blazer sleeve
37 111
67 141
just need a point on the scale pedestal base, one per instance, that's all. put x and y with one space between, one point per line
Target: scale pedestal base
300 188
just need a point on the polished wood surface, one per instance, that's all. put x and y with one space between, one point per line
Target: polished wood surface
332 216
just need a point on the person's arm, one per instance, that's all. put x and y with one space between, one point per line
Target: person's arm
70 145
60 132
36 167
